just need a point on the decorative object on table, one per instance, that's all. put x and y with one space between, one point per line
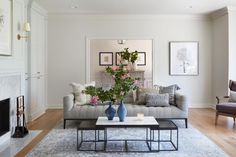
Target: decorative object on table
20 130
184 58
140 116
141 60
122 111
105 58
124 83
110 112
6 27
129 57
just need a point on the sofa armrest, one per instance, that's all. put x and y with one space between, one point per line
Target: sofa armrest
181 102
68 102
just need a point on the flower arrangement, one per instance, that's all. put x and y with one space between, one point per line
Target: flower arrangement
129 56
124 83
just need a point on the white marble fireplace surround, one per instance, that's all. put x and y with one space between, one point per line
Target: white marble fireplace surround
10 87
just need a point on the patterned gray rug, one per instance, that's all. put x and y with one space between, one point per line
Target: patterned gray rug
62 143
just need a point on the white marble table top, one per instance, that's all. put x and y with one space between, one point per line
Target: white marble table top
129 121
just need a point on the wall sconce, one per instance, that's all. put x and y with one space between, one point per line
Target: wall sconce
26 29
121 41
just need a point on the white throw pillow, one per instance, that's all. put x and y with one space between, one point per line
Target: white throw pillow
232 96
81 98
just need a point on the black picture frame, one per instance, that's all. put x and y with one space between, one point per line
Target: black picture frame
108 61
195 52
141 61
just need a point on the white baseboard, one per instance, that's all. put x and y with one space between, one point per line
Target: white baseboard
203 105
55 106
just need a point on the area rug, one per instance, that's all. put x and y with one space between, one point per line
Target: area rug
17 144
62 143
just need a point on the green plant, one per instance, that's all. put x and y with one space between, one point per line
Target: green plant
129 56
103 95
124 83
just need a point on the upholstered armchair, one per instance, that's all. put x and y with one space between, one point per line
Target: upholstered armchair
226 105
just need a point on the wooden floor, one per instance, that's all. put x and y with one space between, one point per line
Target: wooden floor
224 134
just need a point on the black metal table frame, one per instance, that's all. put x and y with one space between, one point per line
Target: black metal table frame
150 130
149 141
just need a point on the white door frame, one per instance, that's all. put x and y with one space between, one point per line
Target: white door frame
87 55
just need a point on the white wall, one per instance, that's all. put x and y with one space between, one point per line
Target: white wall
232 45
220 56
107 45
67 42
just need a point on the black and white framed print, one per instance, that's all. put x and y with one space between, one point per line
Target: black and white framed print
105 58
141 61
6 14
184 58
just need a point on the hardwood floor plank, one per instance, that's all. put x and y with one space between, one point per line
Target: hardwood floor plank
224 134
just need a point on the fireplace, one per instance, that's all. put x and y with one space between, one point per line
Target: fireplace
4 116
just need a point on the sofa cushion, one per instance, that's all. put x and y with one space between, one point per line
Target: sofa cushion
141 94
232 97
226 108
93 112
157 100
171 91
80 97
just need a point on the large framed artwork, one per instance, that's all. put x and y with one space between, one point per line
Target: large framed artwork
6 27
105 58
184 58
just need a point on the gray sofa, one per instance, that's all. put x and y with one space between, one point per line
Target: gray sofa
90 112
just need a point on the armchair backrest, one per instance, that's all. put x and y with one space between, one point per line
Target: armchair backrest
232 85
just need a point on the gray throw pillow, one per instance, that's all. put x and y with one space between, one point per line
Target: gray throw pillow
171 91
141 94
157 100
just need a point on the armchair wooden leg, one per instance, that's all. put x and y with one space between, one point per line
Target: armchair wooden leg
216 119
234 120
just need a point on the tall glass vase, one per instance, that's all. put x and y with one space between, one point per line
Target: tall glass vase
122 111
110 111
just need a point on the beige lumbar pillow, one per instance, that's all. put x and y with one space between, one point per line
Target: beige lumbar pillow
80 97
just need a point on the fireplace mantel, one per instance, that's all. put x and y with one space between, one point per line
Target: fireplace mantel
10 84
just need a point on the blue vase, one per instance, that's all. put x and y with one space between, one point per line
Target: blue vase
110 112
122 111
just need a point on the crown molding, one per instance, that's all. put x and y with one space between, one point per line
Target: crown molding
129 16
219 13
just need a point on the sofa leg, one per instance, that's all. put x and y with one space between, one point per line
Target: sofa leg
186 123
64 123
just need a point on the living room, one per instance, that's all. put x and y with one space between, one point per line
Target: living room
49 45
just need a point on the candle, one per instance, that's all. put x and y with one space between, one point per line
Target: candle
140 116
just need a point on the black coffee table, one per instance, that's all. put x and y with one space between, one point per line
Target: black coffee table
149 123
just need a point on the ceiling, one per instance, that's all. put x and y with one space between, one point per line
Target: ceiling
135 6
